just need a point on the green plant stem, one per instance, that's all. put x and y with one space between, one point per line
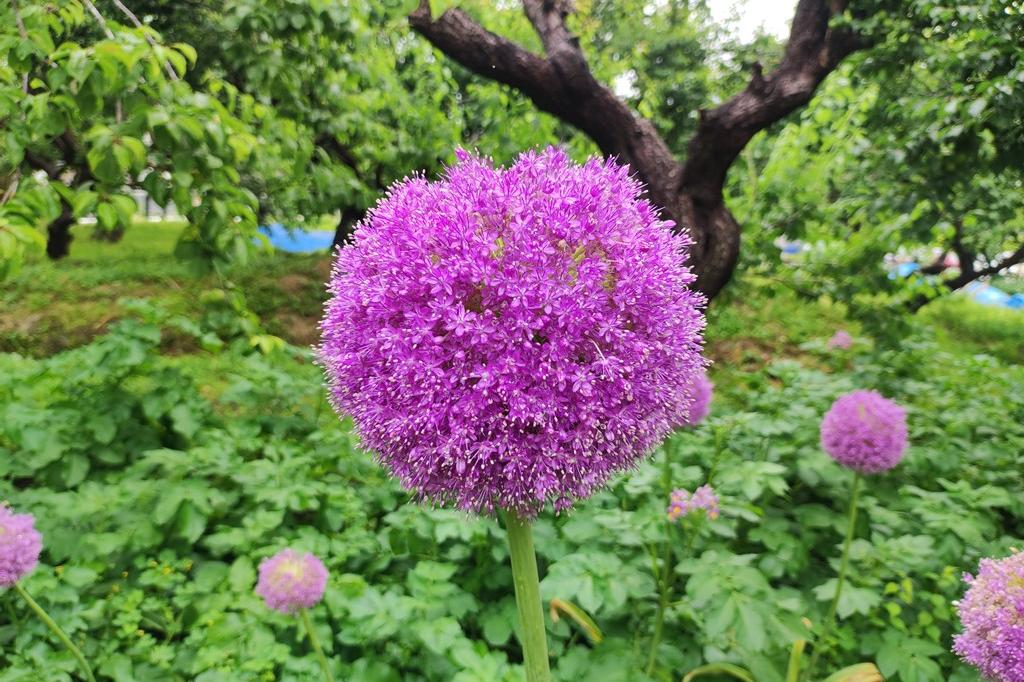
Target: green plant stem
304 616
659 618
55 629
663 579
844 564
527 586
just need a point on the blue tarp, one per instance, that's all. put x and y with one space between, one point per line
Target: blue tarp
983 293
986 294
904 269
297 241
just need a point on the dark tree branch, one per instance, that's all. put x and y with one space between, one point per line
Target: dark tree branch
968 275
562 84
936 266
38 162
548 19
332 146
813 51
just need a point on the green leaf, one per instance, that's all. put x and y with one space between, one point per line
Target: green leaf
190 522
862 672
578 615
107 216
242 575
727 669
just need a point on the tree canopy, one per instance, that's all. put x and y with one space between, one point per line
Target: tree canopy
244 111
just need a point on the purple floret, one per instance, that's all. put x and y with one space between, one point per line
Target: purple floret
506 338
683 503
20 545
701 392
992 613
865 432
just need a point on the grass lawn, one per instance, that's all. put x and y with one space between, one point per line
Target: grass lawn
52 306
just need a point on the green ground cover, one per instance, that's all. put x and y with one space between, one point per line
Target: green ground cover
167 446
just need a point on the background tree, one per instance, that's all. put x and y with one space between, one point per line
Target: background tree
913 150
90 107
691 191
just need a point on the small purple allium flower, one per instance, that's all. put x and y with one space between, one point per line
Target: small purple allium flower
841 340
865 432
992 613
290 581
506 338
701 391
20 545
683 503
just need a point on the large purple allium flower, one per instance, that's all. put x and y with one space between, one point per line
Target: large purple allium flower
290 581
20 545
992 613
509 338
700 391
865 432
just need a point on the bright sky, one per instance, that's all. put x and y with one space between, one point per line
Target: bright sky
749 15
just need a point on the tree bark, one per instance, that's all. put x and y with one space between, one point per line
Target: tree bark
59 237
689 192
346 224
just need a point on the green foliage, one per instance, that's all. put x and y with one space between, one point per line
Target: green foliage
968 325
160 481
912 149
355 105
88 114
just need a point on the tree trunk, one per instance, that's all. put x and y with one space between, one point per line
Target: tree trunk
346 224
690 192
58 242
716 240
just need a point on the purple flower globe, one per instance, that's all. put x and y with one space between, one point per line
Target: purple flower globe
20 545
841 340
992 613
701 392
865 432
290 581
509 338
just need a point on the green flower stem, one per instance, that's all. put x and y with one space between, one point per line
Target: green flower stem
659 618
844 565
304 616
663 579
527 585
55 629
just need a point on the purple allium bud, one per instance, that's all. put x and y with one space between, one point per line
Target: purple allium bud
683 503
992 613
865 432
701 391
20 545
290 581
509 338
841 340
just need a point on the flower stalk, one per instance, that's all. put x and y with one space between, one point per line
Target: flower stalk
527 588
844 565
315 643
57 631
663 579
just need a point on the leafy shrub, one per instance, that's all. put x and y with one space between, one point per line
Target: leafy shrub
160 482
990 329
